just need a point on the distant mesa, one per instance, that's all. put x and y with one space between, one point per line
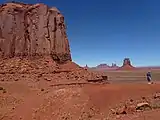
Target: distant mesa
126 65
104 66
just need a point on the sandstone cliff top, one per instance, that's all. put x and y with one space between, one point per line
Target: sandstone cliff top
24 6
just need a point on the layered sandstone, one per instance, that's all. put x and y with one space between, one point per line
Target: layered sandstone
28 30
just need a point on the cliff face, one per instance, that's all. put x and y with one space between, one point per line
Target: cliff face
33 30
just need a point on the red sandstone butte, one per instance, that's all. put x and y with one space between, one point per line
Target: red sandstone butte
29 30
126 65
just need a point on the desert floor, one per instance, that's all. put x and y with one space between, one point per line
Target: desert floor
26 100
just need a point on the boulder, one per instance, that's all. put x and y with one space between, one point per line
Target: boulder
157 96
127 109
143 106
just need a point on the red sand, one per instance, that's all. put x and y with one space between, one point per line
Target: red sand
26 101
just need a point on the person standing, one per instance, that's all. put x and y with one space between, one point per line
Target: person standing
149 77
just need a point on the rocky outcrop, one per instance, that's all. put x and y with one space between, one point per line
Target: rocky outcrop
126 61
33 30
126 65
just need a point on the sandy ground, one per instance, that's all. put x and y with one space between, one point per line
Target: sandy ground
77 102
39 90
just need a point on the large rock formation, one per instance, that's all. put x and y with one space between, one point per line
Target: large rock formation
39 32
127 61
126 65
28 30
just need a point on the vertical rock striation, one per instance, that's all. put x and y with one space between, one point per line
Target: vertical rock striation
28 30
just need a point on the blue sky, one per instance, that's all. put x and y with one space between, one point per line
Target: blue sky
106 31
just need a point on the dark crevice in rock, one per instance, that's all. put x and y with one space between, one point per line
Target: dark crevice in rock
48 32
54 40
26 36
1 33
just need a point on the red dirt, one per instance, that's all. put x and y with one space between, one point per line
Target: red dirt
39 89
72 102
33 83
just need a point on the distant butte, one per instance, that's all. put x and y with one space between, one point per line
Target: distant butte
126 65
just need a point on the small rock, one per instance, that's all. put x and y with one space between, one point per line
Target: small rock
157 96
143 98
40 75
143 106
131 100
113 111
122 110
16 79
4 91
131 109
118 117
76 77
1 88
23 76
47 79
42 89
139 110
